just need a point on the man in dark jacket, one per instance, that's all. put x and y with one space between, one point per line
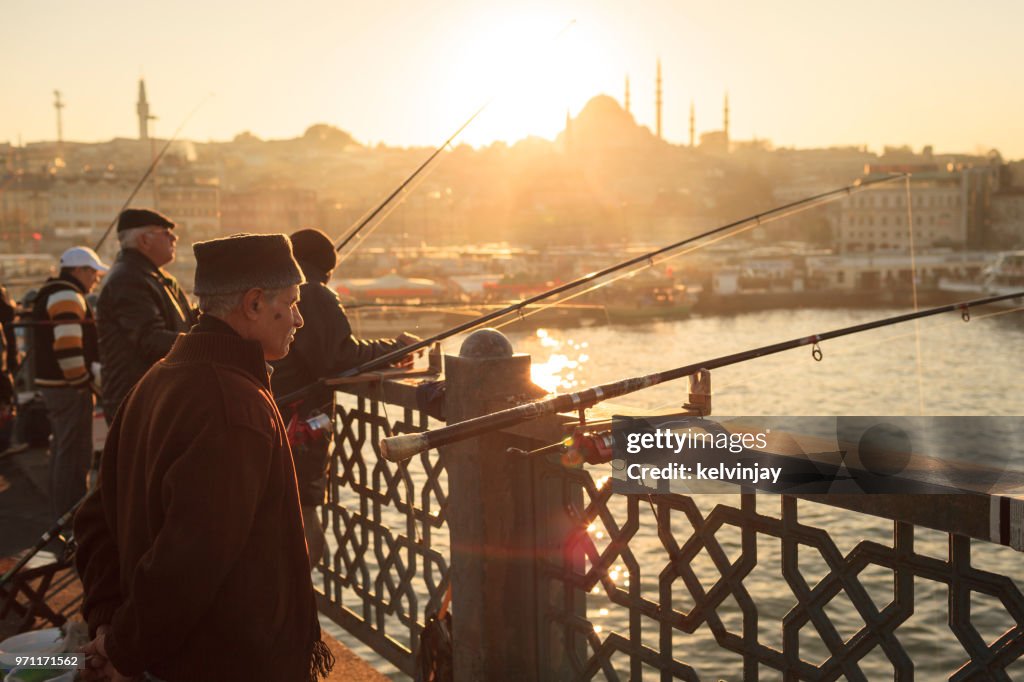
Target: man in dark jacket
64 347
323 347
191 551
141 308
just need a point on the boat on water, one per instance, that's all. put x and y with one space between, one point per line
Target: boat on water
1005 275
657 303
645 296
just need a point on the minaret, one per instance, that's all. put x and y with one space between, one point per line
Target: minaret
657 101
143 110
626 100
725 121
693 124
58 105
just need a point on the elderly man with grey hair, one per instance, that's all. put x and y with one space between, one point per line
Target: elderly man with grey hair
191 551
141 308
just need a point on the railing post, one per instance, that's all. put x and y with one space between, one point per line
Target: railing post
491 518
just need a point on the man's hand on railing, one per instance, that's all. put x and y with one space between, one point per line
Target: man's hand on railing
407 339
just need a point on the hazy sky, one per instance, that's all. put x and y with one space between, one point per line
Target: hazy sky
799 72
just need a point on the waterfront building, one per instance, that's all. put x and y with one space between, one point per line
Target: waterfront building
1008 216
947 208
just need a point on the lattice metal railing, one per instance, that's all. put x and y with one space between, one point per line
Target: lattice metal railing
716 587
386 564
656 587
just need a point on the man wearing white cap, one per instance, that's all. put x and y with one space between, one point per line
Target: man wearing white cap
65 349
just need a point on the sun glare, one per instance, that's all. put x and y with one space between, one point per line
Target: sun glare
534 66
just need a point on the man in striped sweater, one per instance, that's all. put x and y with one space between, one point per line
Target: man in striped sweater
65 349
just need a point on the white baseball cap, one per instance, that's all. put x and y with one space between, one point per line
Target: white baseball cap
82 257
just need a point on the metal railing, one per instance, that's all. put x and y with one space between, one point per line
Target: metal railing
386 562
556 577
694 599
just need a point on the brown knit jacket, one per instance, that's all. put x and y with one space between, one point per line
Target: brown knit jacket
192 548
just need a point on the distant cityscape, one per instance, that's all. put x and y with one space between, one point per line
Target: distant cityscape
604 181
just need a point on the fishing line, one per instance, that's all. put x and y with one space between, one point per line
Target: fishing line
755 222
913 291
382 212
396 197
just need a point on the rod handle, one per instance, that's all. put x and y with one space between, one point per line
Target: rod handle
403 447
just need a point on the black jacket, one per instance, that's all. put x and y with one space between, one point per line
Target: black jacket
141 311
323 346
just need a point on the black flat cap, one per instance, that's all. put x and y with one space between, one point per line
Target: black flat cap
245 261
131 218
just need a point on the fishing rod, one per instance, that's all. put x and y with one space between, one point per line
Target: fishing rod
53 532
444 305
648 258
149 171
358 227
400 448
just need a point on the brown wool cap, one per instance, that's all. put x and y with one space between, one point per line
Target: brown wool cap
142 217
315 248
245 261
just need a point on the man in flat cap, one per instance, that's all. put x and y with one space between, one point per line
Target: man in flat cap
141 308
191 550
324 347
64 348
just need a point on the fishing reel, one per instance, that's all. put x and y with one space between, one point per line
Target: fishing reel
583 445
594 443
312 429
594 447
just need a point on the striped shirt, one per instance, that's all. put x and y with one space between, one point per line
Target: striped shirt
63 344
66 308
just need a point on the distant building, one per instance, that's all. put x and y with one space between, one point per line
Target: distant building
948 209
24 209
82 207
195 207
268 210
715 142
1008 216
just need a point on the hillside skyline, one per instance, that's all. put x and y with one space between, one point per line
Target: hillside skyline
340 132
804 75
